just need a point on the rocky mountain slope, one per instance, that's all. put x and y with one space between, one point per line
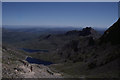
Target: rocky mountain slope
94 56
15 66
112 35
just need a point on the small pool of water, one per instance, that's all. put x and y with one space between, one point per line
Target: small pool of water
33 50
37 61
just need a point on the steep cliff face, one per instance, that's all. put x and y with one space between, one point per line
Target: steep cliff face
112 35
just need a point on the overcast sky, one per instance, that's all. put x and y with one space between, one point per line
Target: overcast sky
76 14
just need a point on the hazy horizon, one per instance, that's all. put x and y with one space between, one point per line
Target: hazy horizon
63 14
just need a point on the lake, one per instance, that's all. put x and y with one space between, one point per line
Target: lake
34 60
37 61
33 50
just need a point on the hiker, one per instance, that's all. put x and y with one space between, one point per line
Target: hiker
31 68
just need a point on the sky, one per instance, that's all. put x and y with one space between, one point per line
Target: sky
75 14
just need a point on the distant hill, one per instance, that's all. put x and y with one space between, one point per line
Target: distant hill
17 35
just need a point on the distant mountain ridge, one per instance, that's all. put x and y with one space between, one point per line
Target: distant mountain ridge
88 31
